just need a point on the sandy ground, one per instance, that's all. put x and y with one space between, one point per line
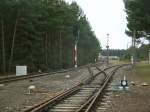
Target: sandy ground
15 97
134 99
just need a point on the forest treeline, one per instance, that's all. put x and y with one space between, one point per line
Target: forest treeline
138 17
141 53
41 34
121 53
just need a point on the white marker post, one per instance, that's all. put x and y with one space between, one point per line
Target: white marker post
67 84
132 60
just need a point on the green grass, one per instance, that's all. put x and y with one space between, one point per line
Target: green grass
118 62
143 71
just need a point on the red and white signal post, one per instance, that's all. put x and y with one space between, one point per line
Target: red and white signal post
75 54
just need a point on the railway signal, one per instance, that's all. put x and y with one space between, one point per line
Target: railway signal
76 35
124 83
75 54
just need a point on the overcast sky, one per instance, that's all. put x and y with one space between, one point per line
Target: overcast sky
107 16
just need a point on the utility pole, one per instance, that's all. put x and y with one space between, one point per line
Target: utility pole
3 47
149 56
107 46
60 49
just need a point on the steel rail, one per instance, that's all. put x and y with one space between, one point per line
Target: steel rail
42 107
92 105
16 78
87 103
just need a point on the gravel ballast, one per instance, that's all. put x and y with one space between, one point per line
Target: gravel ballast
15 97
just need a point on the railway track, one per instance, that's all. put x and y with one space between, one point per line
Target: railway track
17 78
96 105
80 98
